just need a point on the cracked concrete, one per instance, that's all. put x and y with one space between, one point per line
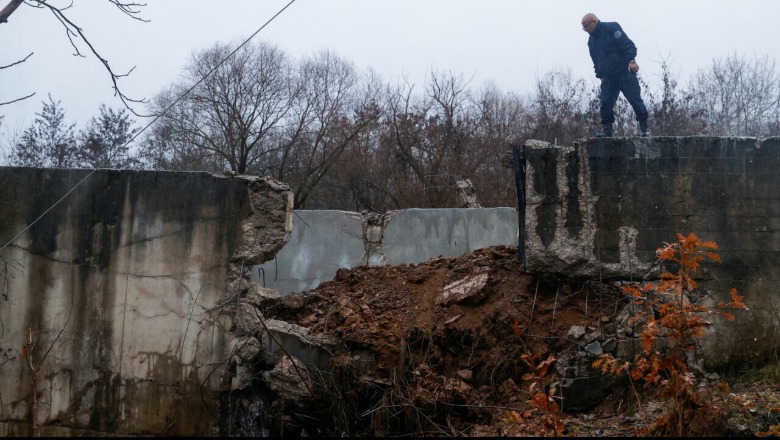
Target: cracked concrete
122 285
601 208
560 222
135 280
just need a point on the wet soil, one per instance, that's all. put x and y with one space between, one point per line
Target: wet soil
456 347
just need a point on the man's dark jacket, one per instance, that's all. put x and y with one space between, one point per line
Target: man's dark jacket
610 49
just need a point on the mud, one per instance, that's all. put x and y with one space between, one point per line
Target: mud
445 348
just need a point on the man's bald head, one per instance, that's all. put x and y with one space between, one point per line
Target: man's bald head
588 18
589 22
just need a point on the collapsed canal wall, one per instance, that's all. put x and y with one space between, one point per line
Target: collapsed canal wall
126 305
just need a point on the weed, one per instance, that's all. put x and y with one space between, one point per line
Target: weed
672 325
544 402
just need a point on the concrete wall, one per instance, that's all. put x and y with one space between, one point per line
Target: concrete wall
324 241
127 304
110 319
602 207
113 316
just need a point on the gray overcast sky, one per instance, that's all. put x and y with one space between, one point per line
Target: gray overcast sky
509 42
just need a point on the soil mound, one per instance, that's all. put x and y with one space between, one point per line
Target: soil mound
457 347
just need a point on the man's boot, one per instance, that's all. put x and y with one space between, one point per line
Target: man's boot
606 131
643 129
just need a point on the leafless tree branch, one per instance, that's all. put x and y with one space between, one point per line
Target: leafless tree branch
17 62
18 99
11 65
130 9
9 9
74 32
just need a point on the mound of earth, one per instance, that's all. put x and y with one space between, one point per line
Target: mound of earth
457 347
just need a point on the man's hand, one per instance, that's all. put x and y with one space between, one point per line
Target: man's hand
633 66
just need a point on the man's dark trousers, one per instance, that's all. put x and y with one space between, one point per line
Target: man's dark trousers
611 86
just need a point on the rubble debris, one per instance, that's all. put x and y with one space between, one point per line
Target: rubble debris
436 349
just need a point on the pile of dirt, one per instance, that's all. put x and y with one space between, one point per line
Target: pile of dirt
448 348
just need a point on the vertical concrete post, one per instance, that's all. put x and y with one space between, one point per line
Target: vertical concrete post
518 163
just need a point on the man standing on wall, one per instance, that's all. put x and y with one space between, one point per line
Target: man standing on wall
613 55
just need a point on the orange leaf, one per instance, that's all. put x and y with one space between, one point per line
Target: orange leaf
514 417
516 328
540 400
559 428
544 366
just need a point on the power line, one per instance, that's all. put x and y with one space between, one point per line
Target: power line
176 101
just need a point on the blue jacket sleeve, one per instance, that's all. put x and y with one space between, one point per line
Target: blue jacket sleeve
624 44
593 58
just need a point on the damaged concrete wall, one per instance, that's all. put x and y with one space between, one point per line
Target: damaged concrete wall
324 241
111 316
600 209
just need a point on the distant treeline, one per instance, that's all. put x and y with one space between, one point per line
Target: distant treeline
347 139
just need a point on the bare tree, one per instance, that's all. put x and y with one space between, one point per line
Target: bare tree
432 138
233 115
560 107
504 121
74 32
739 96
413 156
166 148
260 113
331 110
674 114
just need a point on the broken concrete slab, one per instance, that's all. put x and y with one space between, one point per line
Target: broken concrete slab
471 288
290 379
280 338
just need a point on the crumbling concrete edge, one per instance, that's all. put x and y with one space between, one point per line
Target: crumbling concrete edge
570 254
262 233
374 226
253 341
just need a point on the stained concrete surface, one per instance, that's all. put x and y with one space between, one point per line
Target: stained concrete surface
324 241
